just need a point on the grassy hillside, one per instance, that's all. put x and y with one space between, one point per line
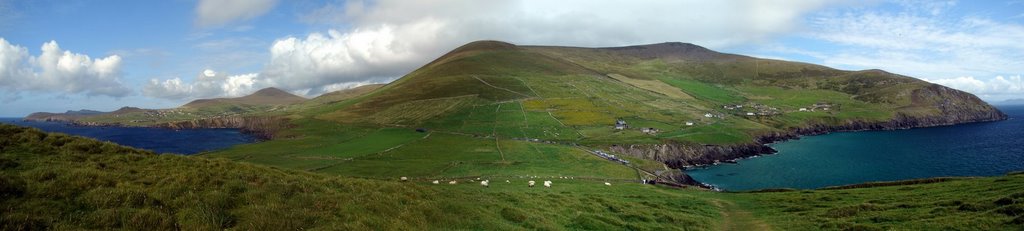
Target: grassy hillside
579 93
265 97
993 203
55 181
493 108
64 182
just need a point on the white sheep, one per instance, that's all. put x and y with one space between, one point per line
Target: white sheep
436 182
507 181
547 183
608 184
531 183
452 182
485 183
403 178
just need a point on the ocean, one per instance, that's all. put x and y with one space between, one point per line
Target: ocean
977 149
160 140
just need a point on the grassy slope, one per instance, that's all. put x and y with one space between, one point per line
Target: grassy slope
582 91
65 182
480 101
992 203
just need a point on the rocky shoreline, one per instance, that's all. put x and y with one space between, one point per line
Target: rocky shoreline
262 127
683 156
931 106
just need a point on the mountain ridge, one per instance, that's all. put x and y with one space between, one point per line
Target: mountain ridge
861 100
265 96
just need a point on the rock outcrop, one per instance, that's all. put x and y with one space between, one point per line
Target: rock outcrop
949 107
263 127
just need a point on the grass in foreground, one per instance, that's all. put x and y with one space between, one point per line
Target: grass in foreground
992 203
55 181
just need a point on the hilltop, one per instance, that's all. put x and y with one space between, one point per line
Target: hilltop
681 103
266 96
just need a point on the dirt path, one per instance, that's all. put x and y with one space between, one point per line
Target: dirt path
735 218
501 88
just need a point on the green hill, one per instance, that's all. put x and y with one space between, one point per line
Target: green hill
263 97
496 108
55 181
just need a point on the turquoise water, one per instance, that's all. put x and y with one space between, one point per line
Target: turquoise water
189 141
979 149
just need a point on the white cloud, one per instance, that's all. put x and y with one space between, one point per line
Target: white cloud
208 84
59 71
214 13
922 41
168 89
362 54
998 88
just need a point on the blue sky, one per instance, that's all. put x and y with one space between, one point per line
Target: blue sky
104 54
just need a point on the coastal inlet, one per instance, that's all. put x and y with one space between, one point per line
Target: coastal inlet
160 140
976 149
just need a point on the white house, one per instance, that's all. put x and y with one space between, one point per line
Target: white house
688 123
803 109
750 113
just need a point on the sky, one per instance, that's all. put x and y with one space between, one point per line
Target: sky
58 55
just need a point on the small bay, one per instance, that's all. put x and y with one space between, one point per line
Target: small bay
977 149
160 140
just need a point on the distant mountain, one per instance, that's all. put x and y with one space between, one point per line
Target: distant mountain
83 112
341 95
66 116
1011 102
262 101
263 97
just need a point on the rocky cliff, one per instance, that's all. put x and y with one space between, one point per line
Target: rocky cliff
263 127
947 106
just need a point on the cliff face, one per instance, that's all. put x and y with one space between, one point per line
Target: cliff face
948 107
263 127
60 117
